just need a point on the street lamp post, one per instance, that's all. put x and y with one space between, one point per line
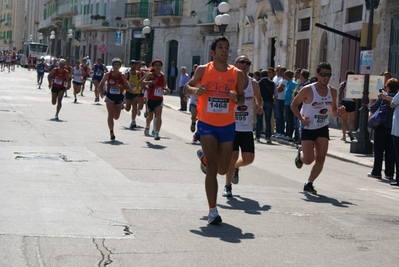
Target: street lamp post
363 144
70 36
52 38
146 31
223 19
40 37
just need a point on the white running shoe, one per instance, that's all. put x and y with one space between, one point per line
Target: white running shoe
213 216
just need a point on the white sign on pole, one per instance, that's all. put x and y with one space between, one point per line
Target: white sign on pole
355 85
366 60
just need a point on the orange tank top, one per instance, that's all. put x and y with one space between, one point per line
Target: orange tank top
215 107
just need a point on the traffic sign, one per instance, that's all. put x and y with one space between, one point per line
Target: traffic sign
102 49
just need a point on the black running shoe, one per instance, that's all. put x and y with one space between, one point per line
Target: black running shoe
298 162
235 176
309 188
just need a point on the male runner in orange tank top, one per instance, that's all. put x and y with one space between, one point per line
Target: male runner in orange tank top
219 87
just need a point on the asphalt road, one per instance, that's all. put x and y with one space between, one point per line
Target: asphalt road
71 197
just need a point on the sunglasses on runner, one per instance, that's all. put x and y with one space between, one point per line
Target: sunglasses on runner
248 63
322 74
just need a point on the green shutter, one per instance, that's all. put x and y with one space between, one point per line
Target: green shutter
144 7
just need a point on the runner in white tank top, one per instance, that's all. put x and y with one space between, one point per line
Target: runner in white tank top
244 138
78 73
316 112
319 99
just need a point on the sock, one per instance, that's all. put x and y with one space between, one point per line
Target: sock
212 206
308 182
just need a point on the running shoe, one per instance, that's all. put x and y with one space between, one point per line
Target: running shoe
112 136
309 188
350 134
132 125
373 176
138 112
268 140
56 117
146 131
213 216
192 127
227 192
145 114
298 162
200 155
156 136
153 132
75 101
235 176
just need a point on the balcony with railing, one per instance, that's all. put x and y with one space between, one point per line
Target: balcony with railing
137 11
114 22
67 9
168 8
45 23
83 21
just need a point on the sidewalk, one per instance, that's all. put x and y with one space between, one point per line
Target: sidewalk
337 149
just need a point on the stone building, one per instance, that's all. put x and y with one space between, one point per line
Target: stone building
275 32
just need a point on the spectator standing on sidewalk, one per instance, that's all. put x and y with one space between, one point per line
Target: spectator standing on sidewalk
280 103
395 124
350 108
383 140
172 75
184 78
268 91
317 99
289 115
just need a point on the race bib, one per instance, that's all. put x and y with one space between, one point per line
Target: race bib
158 92
58 81
319 120
242 118
133 87
98 73
218 105
113 90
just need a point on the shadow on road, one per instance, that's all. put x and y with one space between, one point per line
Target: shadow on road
114 143
325 199
245 204
225 232
151 145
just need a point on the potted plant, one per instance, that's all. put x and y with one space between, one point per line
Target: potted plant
118 18
105 23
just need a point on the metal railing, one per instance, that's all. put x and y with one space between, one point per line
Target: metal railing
137 10
166 8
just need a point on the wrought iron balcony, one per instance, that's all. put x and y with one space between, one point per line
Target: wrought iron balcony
137 10
67 9
168 8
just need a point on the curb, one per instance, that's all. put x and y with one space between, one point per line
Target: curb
284 142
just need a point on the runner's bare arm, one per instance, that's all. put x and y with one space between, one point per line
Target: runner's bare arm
189 88
336 112
49 78
126 85
258 97
166 89
101 85
240 88
303 94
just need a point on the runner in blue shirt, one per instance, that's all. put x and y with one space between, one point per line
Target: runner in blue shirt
40 71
